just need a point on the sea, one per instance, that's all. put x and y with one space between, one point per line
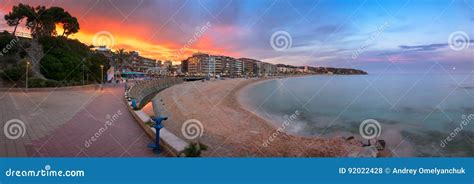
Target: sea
418 115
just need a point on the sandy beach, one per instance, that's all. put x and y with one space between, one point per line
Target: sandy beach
231 130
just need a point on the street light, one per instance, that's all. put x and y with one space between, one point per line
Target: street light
27 63
102 77
83 72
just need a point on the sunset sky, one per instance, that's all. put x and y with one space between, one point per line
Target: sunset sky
377 36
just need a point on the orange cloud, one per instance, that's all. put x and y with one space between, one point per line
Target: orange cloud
146 38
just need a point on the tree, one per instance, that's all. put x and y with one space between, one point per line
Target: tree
34 21
42 21
17 74
94 63
170 69
17 14
59 15
70 26
121 59
8 44
50 18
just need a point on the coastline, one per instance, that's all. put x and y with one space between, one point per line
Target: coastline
243 103
231 130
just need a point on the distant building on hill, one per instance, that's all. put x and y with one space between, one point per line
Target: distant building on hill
286 69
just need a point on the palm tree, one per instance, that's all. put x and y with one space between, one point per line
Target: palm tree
170 69
121 58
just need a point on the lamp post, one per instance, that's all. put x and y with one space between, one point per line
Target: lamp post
83 72
102 77
27 64
156 68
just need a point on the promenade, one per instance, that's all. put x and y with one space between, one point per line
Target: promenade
72 123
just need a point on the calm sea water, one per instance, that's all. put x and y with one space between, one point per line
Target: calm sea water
416 112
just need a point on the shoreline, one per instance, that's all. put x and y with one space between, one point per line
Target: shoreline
246 106
231 130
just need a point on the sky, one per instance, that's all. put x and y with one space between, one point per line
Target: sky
389 36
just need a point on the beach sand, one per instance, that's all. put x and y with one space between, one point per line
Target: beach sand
230 130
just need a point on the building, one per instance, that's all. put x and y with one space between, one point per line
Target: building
228 66
204 64
102 49
167 63
184 66
285 69
266 69
249 66
144 64
159 63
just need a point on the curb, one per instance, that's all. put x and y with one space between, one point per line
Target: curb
172 144
90 86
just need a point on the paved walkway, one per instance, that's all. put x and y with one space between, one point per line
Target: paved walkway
73 123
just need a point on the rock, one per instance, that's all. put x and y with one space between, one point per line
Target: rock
349 138
380 145
366 152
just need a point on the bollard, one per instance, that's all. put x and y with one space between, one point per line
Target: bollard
158 126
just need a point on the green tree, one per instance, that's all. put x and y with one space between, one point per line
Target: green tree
35 21
42 21
8 44
94 62
17 14
170 69
17 74
70 26
64 59
121 62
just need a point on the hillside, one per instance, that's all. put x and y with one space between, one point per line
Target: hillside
54 61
